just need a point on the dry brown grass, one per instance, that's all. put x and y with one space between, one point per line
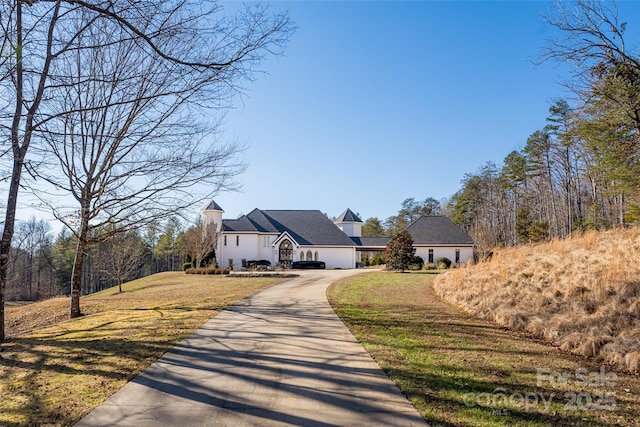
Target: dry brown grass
53 370
581 294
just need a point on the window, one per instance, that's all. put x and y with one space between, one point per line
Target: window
237 240
457 256
265 242
309 255
301 256
430 256
316 257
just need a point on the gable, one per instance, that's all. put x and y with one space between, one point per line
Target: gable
283 236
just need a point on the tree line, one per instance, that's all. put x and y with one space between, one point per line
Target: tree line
581 169
42 262
410 210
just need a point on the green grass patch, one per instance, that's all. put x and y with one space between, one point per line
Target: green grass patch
461 371
55 371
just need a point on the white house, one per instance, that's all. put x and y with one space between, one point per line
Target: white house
283 236
438 237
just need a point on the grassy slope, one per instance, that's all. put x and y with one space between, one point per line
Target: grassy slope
52 372
462 371
581 294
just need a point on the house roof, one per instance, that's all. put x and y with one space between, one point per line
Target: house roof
348 216
437 230
213 206
380 242
312 227
307 227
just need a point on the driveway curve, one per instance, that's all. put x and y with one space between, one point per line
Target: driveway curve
279 357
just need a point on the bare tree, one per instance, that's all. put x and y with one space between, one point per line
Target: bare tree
199 242
124 256
31 235
50 47
582 170
23 76
137 143
150 238
593 41
167 248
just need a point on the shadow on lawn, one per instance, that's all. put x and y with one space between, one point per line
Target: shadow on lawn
54 379
271 360
58 375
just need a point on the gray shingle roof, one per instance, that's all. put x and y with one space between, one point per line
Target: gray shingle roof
380 242
312 227
437 230
348 216
240 224
213 206
307 227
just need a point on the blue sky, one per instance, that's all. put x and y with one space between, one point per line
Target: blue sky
376 102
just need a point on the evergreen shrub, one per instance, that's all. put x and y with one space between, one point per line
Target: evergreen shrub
442 263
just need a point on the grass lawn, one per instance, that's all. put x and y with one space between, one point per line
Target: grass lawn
461 371
53 372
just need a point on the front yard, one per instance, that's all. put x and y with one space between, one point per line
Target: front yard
461 371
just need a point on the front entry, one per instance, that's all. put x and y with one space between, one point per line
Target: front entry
286 253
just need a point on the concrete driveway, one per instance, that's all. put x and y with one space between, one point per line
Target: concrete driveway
280 357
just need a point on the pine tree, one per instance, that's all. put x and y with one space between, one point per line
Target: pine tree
372 227
523 225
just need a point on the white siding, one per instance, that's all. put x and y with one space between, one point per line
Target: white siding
466 253
337 257
247 248
265 250
252 247
351 229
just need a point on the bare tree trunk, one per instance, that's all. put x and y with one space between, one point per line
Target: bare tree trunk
76 274
621 210
19 148
18 159
7 235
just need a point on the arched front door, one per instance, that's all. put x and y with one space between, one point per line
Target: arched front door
286 253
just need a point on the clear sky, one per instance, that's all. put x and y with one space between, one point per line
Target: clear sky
376 102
